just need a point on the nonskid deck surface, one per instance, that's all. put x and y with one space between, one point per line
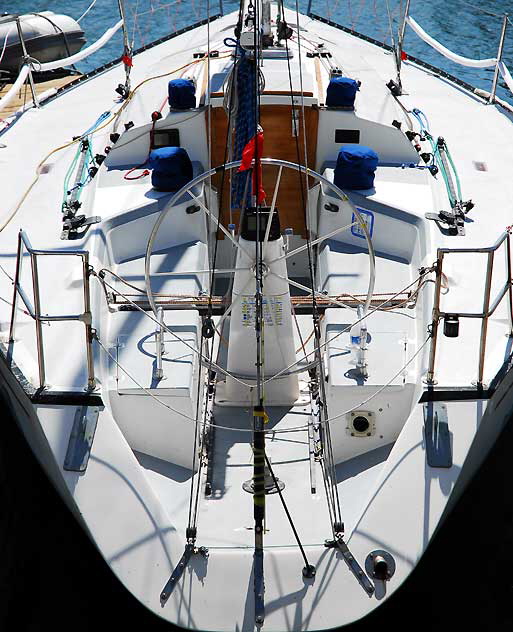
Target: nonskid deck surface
226 515
226 511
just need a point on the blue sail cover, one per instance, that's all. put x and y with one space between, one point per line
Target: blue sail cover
172 168
181 94
356 166
341 92
245 123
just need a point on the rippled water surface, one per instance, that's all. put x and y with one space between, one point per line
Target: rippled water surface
469 29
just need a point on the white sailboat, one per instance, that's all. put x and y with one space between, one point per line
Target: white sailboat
256 317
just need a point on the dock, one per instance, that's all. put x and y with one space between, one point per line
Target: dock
24 96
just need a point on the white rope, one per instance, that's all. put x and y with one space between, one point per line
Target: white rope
7 98
59 63
503 69
5 41
87 11
68 61
464 61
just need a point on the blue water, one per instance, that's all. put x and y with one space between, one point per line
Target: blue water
461 26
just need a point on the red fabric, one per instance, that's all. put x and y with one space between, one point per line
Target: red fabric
248 154
404 56
127 60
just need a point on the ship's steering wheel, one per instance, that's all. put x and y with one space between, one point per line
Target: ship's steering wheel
281 164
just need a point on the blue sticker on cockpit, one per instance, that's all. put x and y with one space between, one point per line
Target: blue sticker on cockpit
368 218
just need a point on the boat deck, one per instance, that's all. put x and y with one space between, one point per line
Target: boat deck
226 515
477 134
392 497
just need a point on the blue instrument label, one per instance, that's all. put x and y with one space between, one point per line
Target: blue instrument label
368 218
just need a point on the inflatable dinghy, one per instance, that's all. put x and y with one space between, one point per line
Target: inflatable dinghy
48 36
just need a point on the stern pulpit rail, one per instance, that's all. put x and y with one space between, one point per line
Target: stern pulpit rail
34 310
488 309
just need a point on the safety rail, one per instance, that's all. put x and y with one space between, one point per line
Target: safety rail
488 309
397 46
495 62
35 310
30 64
219 304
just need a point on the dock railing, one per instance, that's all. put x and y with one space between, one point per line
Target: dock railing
488 309
34 310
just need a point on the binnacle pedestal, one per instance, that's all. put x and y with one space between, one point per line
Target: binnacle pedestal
278 335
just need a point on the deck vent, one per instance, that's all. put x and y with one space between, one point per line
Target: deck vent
361 423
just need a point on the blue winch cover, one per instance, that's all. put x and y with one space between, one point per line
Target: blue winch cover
356 166
341 92
172 168
181 94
